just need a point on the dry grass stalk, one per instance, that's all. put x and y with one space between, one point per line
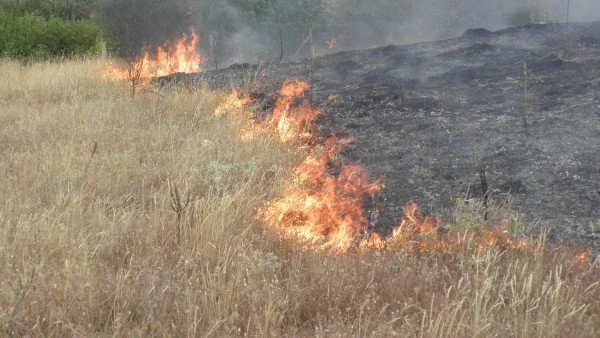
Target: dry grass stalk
178 205
134 75
525 99
93 150
485 191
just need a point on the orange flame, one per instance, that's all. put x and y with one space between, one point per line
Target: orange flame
331 43
316 205
179 56
321 205
294 125
583 258
235 102
327 210
288 125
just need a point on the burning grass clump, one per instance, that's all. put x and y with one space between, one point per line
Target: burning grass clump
179 56
92 244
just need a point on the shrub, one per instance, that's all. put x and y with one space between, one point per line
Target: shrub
65 9
30 36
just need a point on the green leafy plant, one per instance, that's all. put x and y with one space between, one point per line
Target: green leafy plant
31 36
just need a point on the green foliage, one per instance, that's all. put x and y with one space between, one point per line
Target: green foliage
66 9
31 36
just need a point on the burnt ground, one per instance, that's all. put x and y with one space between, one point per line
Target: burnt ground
428 117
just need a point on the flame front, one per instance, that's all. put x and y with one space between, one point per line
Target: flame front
321 206
179 56
293 125
317 206
328 210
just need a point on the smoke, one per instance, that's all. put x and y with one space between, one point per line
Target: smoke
236 31
353 24
134 24
427 20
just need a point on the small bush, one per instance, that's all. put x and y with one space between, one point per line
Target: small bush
30 36
65 9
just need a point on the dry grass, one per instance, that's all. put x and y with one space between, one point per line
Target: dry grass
89 239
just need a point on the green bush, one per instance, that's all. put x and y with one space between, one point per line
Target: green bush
30 36
65 9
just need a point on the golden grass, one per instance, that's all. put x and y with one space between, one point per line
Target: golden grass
88 240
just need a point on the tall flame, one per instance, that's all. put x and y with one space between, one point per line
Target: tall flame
297 124
317 205
179 56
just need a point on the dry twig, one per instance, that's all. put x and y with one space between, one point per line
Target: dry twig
134 75
525 102
178 205
485 190
93 151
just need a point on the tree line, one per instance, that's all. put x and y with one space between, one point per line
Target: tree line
256 28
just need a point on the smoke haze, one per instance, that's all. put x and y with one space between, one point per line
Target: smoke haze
235 31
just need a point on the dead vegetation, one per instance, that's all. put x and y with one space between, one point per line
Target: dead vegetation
103 258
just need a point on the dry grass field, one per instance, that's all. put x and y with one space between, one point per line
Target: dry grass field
92 243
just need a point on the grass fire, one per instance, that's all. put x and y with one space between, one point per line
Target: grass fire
442 188
328 210
179 56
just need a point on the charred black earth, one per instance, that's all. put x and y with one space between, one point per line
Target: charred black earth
523 103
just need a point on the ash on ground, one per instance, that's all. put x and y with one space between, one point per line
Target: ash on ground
523 103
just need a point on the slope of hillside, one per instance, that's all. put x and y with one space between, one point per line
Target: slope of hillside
523 103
